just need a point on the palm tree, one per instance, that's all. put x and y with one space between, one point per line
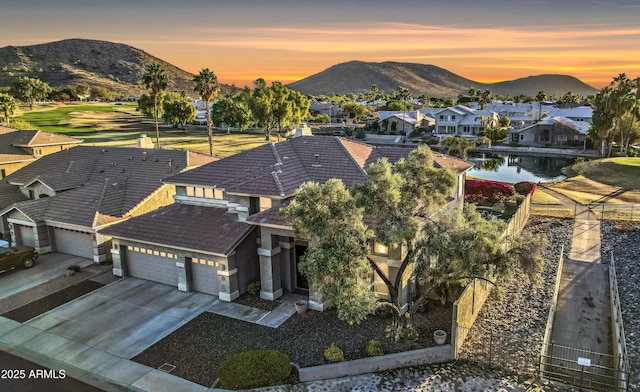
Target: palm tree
207 86
8 106
540 97
155 80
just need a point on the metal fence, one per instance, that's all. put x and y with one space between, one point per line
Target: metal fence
582 368
601 211
617 326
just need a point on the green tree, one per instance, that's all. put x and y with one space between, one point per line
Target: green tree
504 122
206 84
155 81
354 110
146 106
29 90
82 90
462 245
400 196
99 92
461 144
8 106
495 133
178 109
277 106
601 128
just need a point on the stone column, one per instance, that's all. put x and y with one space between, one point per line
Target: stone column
287 269
228 280
185 281
269 252
119 257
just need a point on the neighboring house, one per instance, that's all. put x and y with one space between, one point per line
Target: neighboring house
325 108
520 114
552 132
224 230
57 203
577 114
403 123
18 148
459 120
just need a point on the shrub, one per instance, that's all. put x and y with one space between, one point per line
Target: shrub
496 294
253 288
514 143
255 368
488 191
333 353
374 348
525 187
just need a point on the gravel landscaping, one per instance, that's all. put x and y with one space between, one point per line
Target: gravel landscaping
197 348
623 239
509 332
52 301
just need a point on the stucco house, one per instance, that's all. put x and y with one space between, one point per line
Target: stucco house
58 202
403 123
552 131
459 120
18 148
224 230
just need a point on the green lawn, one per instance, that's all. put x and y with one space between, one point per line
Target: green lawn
108 124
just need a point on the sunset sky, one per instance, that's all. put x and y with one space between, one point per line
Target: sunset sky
286 40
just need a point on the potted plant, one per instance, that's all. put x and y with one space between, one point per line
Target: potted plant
302 306
440 336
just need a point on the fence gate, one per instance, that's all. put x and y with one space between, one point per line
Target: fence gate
582 368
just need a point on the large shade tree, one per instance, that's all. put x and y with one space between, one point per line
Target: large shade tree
277 106
29 90
401 199
207 85
155 80
178 110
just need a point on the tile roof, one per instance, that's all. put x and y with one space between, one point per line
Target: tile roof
199 228
35 138
108 181
278 169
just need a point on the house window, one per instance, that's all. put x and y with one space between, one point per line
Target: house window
380 248
441 117
208 193
453 118
521 137
254 205
217 194
191 191
265 203
199 192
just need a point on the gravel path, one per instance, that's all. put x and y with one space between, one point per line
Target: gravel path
625 246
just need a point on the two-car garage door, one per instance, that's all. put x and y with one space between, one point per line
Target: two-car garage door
73 242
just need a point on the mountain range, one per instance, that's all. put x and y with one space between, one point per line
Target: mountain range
120 67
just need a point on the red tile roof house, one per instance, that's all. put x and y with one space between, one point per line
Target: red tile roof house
57 203
224 230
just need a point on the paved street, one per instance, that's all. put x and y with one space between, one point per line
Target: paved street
35 381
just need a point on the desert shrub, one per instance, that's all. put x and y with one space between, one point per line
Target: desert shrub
496 294
253 288
624 227
514 143
255 368
333 353
525 187
374 348
415 132
488 191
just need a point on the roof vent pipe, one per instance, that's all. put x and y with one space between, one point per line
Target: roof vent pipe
144 155
317 156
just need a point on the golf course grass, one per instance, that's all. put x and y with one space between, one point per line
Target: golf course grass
119 125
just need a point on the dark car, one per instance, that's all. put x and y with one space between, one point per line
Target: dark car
17 256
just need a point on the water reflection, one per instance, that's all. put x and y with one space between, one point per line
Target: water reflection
513 168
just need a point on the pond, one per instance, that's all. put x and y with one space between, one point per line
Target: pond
513 168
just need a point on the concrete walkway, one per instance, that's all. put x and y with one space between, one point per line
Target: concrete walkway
273 318
583 308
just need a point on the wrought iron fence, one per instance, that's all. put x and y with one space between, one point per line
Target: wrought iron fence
582 368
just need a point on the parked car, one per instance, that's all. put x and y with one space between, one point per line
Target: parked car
16 256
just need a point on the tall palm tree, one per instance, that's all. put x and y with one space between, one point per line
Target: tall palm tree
8 106
207 86
155 80
540 97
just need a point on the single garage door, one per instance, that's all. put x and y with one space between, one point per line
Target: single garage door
73 243
205 276
152 265
26 235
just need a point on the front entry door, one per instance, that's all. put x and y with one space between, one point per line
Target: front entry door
301 280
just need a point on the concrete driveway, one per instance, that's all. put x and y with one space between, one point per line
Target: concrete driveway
123 318
47 267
